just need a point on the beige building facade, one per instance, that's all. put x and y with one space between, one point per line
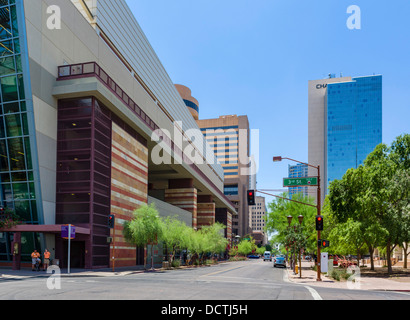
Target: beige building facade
257 220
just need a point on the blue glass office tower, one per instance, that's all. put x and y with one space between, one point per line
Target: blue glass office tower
354 123
298 171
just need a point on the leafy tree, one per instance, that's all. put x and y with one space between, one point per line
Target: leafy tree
349 201
295 241
214 239
399 205
380 198
9 219
261 250
377 196
350 237
280 209
144 229
173 234
245 247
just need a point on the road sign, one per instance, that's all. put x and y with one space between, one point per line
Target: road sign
65 231
300 182
68 233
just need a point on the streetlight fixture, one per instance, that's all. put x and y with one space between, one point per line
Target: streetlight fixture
318 205
289 220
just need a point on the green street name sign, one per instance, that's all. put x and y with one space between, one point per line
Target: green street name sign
300 182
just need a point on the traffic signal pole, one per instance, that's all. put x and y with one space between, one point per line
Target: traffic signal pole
318 206
318 232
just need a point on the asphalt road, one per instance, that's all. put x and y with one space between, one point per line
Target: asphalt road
239 281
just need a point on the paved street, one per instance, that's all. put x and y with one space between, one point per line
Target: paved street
247 280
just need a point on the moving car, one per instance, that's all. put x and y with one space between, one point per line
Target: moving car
267 256
279 261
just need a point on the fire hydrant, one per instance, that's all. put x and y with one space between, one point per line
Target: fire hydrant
296 269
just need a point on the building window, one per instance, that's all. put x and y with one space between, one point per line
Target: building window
231 190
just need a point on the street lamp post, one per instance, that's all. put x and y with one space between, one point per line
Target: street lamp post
318 207
300 218
287 247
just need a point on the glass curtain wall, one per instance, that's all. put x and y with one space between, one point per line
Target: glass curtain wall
17 182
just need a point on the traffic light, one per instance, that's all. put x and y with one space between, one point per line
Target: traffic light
325 243
111 221
319 223
251 198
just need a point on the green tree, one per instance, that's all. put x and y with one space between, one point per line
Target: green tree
245 247
348 200
376 195
173 235
214 239
144 229
350 237
280 209
379 196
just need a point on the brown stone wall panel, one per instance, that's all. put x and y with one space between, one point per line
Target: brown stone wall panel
129 188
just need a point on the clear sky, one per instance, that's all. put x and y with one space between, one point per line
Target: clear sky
255 58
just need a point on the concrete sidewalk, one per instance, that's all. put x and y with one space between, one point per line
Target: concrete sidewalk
309 277
27 273
8 274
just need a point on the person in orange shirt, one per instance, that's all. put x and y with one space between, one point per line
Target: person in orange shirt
46 259
34 256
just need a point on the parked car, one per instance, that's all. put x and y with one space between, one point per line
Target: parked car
279 261
253 256
335 260
267 256
308 258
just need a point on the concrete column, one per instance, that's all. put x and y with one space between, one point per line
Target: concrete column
16 249
223 216
206 211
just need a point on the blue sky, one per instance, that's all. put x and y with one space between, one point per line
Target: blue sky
255 58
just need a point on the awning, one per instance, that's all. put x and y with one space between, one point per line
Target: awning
50 229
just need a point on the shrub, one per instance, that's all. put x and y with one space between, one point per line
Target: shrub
175 264
338 274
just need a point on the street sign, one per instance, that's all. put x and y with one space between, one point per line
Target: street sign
68 233
65 231
300 182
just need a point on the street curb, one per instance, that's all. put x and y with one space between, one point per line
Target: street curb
289 279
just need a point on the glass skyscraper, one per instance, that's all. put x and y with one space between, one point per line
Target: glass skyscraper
354 123
298 171
19 182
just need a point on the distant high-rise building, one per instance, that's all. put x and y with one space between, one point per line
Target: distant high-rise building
223 135
298 171
229 139
257 220
345 124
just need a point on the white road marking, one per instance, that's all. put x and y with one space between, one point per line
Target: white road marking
314 293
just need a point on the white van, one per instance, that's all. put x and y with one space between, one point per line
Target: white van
267 256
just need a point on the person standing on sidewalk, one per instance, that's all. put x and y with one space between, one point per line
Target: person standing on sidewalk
46 259
34 256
